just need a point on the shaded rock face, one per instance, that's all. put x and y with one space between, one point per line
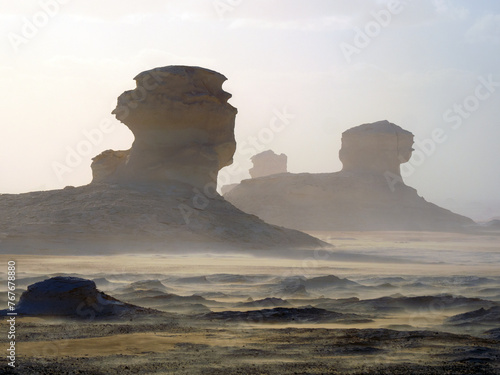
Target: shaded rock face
183 128
377 148
267 163
367 194
71 297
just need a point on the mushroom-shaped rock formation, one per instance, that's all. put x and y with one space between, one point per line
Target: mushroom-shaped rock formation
72 297
377 148
159 196
368 194
183 128
267 163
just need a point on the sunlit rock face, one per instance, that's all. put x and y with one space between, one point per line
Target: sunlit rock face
377 148
267 163
183 128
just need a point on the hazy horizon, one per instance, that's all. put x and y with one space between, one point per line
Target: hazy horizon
316 69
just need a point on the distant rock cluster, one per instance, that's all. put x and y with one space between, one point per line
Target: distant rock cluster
367 194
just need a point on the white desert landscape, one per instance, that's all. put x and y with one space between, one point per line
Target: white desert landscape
346 231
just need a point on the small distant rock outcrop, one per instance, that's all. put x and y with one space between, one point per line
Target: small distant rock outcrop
367 194
159 196
72 297
264 164
268 163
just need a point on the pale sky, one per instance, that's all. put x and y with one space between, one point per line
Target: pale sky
429 66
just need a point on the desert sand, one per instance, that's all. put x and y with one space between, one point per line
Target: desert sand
379 302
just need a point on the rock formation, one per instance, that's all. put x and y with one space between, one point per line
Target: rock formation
285 315
267 163
183 128
367 194
377 148
72 297
159 196
264 164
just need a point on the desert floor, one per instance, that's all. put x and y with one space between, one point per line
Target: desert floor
384 309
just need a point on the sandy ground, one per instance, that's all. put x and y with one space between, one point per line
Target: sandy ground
403 342
229 349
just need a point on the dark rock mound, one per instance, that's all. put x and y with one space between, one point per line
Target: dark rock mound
285 315
266 302
328 282
72 297
481 316
493 333
402 304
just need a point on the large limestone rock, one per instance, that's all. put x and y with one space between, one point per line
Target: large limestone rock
159 196
368 194
183 128
267 163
